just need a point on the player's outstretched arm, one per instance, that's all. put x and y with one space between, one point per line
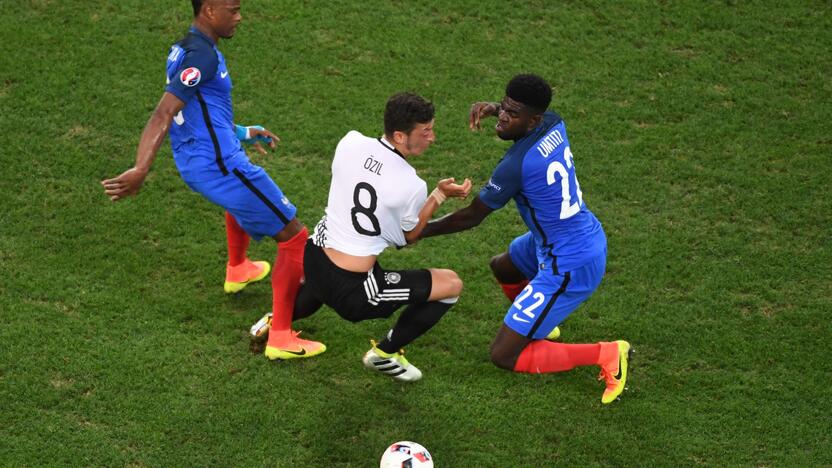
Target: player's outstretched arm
130 181
480 110
460 220
446 188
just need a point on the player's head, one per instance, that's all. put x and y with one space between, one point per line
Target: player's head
527 98
408 123
222 16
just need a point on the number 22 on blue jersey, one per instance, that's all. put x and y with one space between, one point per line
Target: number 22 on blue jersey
565 174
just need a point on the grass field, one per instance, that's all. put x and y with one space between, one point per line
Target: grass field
702 139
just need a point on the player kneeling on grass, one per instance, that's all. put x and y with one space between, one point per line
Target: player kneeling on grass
377 200
549 271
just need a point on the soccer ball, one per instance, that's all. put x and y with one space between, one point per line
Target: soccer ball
406 454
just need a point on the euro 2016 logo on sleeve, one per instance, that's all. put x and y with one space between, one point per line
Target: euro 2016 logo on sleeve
391 277
492 186
190 76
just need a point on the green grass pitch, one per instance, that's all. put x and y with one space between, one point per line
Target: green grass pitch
701 132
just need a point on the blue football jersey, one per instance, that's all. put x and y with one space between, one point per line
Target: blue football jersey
538 172
205 145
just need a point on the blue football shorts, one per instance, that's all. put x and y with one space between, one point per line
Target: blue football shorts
252 197
549 297
523 253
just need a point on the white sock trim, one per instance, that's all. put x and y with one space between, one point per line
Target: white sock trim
449 300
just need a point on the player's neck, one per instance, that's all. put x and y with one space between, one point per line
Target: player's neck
206 30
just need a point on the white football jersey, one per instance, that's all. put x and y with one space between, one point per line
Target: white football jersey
374 196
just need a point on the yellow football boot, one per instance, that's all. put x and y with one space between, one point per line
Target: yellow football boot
614 372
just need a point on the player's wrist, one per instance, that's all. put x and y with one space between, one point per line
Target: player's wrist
141 169
244 134
439 196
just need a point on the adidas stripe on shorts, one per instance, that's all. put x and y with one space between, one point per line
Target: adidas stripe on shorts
363 296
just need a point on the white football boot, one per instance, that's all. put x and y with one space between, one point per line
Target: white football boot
393 365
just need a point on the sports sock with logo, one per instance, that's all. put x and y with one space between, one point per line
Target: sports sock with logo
288 271
541 356
238 240
415 320
511 290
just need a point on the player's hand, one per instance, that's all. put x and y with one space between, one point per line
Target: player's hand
453 190
125 185
263 136
479 110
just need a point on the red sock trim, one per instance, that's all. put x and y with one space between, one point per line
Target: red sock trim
238 240
288 271
512 290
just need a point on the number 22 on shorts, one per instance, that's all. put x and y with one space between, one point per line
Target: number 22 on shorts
526 313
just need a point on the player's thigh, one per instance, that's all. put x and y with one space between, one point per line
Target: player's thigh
445 284
384 291
375 294
522 254
504 270
253 198
550 298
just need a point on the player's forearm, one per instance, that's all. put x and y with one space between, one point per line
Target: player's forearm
450 223
152 137
460 220
425 214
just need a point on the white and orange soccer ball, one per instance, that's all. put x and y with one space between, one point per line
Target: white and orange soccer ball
406 454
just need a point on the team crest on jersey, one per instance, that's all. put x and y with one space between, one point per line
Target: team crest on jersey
190 76
391 277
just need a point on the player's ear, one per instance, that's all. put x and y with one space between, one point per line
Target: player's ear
535 121
399 138
208 9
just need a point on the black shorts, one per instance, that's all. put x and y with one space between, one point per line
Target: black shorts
362 296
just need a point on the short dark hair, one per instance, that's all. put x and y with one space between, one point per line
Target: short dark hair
530 90
197 6
404 111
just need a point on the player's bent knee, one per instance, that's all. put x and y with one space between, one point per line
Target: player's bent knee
290 230
503 269
446 284
455 284
494 263
502 359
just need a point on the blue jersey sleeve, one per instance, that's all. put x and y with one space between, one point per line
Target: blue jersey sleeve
188 66
505 182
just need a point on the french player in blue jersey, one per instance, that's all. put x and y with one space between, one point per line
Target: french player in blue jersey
549 271
196 111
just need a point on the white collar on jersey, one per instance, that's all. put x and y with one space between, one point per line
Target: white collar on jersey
388 145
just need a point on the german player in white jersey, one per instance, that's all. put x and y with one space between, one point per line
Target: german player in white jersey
376 200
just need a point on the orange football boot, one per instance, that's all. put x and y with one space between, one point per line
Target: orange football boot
238 277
